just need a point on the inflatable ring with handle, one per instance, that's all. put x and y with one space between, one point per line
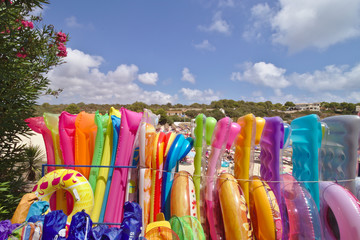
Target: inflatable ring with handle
72 181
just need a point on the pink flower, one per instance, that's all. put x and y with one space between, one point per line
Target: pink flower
61 37
62 50
31 25
27 24
24 23
21 55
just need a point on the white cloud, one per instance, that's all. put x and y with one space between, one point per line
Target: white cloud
262 73
187 76
300 24
205 45
226 3
82 81
149 78
257 93
218 25
355 96
199 96
331 78
72 22
260 17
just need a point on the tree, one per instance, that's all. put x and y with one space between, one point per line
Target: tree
72 108
163 116
27 52
289 104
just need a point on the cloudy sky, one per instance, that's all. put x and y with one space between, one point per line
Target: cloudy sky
204 50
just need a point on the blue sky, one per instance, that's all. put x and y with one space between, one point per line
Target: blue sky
204 50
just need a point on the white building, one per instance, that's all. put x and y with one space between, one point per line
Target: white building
308 106
357 108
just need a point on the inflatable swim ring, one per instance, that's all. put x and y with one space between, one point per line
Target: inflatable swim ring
340 212
264 210
68 180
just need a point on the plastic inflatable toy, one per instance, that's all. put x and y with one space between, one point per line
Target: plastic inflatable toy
234 131
264 210
183 199
52 123
270 157
169 170
147 138
244 147
67 137
132 185
340 212
234 208
187 227
219 141
38 125
302 214
115 121
339 152
101 123
198 145
129 124
306 140
84 141
73 182
157 160
103 172
260 124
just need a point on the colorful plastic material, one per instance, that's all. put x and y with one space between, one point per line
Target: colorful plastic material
101 123
306 140
270 157
244 151
302 214
37 124
264 210
156 161
339 152
183 200
52 123
234 131
129 124
219 141
67 137
84 141
198 145
340 212
70 180
234 209
103 172
168 174
115 121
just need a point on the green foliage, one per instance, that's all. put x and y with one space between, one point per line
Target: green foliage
27 52
8 202
163 117
72 108
34 157
289 104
